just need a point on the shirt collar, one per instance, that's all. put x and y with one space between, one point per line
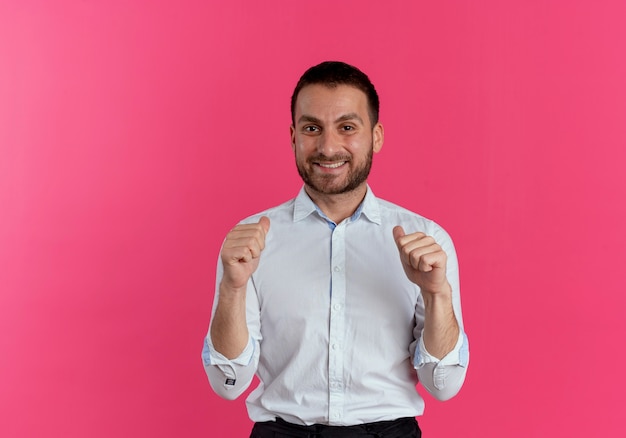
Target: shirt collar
304 206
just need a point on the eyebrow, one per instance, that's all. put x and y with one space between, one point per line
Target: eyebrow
309 119
344 118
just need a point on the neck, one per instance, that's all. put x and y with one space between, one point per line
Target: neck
338 207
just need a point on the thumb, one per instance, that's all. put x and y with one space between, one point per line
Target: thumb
265 223
398 232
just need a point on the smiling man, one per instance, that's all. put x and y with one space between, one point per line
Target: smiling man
339 301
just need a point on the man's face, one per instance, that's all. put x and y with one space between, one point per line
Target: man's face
333 139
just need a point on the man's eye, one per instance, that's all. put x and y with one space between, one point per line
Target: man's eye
311 128
348 128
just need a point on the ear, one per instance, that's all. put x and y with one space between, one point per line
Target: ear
378 137
292 133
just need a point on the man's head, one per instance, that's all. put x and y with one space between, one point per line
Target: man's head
334 73
335 129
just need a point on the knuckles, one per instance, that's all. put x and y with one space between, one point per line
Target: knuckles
246 231
427 251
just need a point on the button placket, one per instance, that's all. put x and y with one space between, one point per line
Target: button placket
337 324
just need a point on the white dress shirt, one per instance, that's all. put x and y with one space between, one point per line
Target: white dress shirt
335 325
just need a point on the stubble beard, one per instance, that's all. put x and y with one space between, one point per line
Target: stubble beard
324 184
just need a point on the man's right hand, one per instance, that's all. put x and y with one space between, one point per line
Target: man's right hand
241 251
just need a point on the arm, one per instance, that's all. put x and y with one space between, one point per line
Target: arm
441 330
229 330
441 355
229 351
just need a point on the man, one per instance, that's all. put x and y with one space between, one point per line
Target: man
336 297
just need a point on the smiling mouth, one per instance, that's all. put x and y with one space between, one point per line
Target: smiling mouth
332 165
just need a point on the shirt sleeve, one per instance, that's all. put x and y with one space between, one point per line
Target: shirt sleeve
443 378
229 378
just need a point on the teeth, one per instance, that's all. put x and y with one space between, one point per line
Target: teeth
332 166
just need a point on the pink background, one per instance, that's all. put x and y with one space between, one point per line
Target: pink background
133 135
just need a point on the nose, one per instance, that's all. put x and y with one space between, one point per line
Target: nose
330 142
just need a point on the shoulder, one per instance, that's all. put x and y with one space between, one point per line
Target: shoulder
278 213
394 214
391 211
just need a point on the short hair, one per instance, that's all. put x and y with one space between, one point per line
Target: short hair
332 74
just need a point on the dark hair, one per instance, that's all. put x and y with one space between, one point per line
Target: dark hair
333 73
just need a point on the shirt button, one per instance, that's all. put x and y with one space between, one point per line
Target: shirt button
337 268
336 306
335 346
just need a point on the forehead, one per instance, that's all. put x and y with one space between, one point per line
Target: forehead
324 101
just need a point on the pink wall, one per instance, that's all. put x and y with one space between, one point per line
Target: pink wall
133 135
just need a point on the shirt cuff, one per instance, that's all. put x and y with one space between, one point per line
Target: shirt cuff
458 356
210 356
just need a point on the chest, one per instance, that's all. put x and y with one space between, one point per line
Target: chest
311 279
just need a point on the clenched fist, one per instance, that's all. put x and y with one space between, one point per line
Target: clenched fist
423 260
241 251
